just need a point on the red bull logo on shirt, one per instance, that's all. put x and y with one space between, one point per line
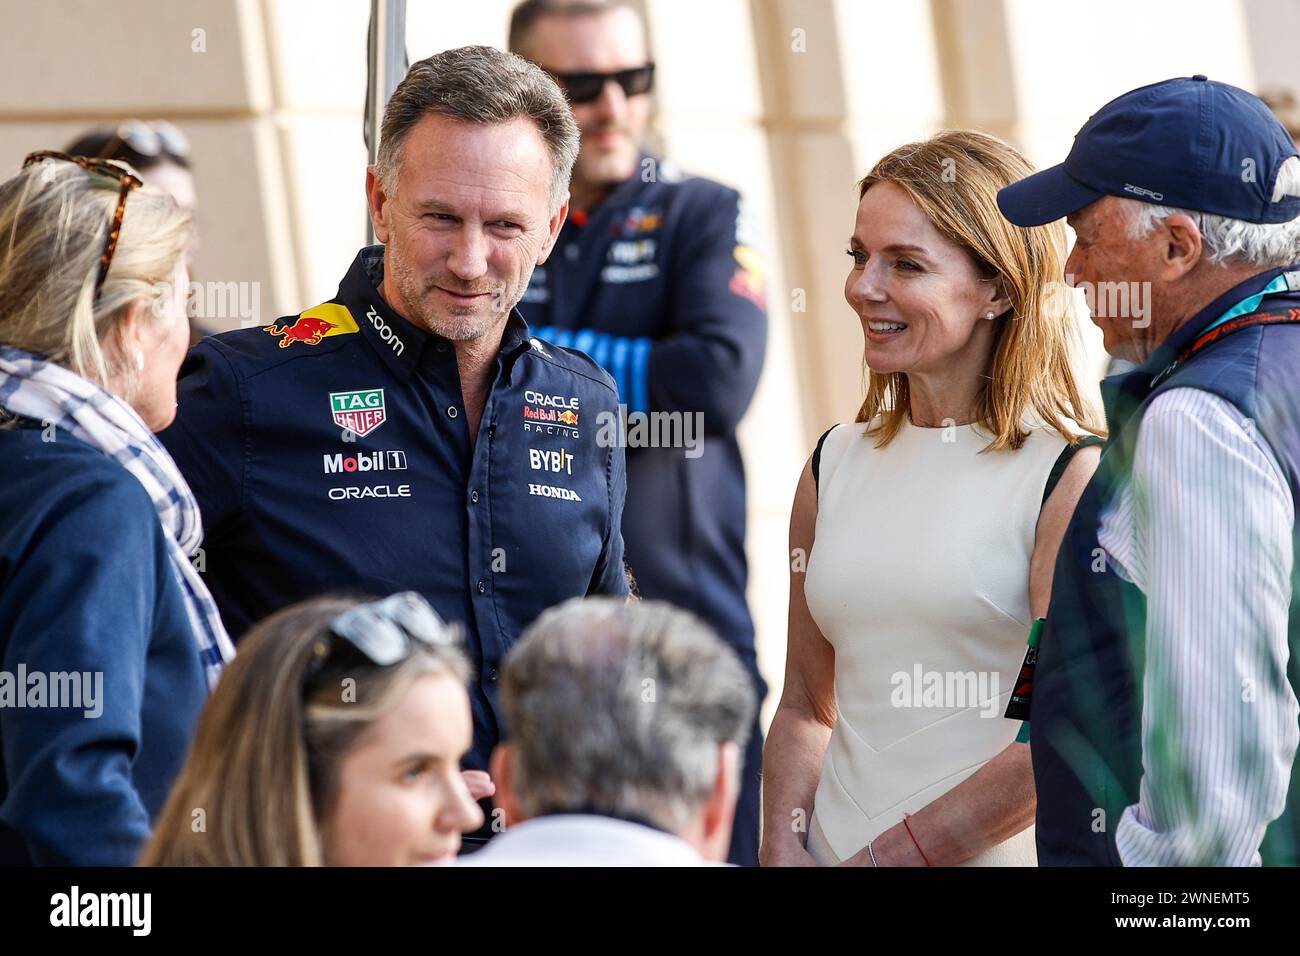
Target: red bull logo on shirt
360 412
748 282
314 325
639 219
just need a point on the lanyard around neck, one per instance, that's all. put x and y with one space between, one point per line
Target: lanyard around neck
1236 318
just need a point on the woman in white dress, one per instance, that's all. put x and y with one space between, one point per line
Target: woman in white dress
930 527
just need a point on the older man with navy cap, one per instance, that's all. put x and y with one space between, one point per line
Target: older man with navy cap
1164 710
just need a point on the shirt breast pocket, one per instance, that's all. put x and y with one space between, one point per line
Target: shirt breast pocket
550 513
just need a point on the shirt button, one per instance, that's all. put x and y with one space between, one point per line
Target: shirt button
451 411
492 675
482 588
473 496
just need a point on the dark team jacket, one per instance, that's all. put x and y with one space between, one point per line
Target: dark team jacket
1086 710
661 286
329 452
88 599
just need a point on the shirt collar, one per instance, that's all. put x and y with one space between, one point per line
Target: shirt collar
1122 394
595 835
1186 333
401 344
589 810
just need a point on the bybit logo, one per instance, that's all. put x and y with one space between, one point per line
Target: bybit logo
554 461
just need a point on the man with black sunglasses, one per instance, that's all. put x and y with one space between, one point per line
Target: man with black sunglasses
653 276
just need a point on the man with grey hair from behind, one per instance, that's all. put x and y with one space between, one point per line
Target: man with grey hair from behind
1164 712
627 723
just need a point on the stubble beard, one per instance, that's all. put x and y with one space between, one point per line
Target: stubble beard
452 322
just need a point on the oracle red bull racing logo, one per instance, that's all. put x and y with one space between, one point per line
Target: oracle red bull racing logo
550 414
360 411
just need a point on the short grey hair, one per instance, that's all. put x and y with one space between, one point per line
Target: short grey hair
480 84
621 708
1262 245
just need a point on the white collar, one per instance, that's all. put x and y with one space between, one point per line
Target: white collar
576 839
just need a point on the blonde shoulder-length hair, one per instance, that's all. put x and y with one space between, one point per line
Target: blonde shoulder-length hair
263 773
54 220
954 178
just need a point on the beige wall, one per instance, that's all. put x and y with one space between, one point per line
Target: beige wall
789 100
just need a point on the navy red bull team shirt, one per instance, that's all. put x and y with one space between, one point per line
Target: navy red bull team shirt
329 452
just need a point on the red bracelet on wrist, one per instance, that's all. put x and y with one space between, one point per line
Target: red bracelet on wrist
907 826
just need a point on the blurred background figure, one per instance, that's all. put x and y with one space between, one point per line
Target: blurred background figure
334 739
157 150
1282 101
160 154
654 277
98 596
628 723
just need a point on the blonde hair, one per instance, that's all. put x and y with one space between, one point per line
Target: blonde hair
54 221
954 178
264 766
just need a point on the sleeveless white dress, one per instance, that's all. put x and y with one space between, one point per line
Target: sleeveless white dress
918 578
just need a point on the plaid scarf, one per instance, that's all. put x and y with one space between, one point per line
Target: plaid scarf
35 388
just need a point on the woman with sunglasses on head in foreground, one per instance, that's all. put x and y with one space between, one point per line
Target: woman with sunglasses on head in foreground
335 738
109 639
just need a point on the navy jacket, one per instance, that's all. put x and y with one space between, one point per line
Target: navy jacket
1086 708
86 586
329 452
660 285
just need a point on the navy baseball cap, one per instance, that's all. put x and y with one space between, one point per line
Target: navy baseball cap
1187 142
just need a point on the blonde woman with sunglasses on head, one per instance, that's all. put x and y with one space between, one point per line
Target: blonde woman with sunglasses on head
334 739
107 632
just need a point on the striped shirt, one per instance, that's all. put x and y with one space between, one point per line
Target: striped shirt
1204 530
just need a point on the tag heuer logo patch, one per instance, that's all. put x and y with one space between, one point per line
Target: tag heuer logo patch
360 412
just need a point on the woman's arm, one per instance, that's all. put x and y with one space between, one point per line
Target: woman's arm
1052 522
997 801
801 727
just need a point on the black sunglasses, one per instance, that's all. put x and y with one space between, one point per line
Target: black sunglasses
587 87
384 632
